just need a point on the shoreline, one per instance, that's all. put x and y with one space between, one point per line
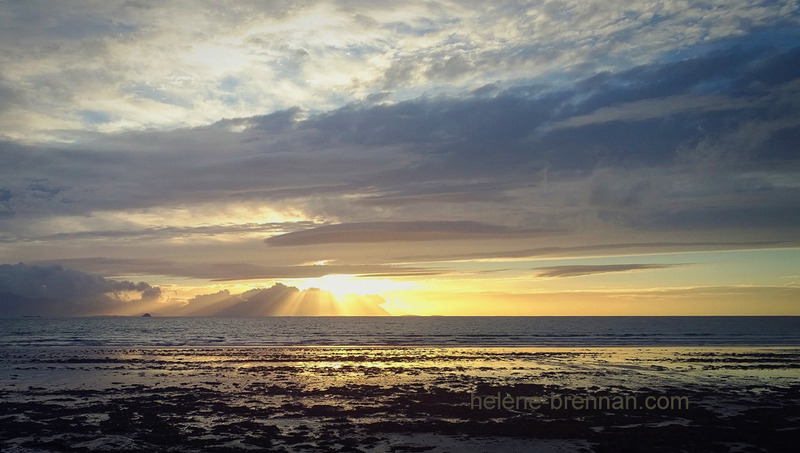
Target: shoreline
342 398
493 348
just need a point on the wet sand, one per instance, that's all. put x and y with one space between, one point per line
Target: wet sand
400 399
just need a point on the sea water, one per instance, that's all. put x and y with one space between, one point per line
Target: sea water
402 331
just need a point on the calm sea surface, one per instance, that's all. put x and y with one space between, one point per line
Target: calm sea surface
406 331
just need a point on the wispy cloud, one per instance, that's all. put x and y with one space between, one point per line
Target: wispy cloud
649 109
578 270
397 232
165 232
605 249
221 271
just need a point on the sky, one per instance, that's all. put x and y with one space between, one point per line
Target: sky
404 158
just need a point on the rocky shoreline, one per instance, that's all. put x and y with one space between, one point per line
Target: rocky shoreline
399 399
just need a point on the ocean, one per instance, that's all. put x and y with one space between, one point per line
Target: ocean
401 331
434 384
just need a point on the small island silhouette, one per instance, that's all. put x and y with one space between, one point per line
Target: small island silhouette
146 315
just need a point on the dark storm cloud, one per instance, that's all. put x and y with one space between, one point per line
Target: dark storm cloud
54 290
590 269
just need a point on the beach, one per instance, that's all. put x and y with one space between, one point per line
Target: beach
412 399
424 226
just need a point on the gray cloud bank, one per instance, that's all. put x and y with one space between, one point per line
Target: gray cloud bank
30 290
56 291
402 157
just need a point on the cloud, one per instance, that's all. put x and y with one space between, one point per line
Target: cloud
227 271
54 291
394 231
654 108
8 95
581 270
526 128
196 65
438 193
758 217
362 158
603 249
179 232
27 290
282 300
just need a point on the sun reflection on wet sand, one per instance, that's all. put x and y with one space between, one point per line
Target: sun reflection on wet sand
331 397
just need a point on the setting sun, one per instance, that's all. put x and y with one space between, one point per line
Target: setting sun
343 285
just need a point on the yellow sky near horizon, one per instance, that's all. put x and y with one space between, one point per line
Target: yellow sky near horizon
668 284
